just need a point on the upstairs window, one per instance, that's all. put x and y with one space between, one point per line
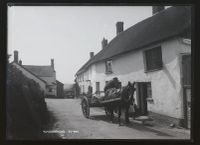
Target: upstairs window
153 59
108 66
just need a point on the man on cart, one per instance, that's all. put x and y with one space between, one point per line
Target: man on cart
112 88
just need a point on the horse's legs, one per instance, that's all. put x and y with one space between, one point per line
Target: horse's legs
127 114
119 114
110 108
111 115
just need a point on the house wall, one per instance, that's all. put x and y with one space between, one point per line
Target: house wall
30 76
165 83
84 80
51 84
60 90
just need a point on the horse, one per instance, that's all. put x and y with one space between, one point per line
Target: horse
126 99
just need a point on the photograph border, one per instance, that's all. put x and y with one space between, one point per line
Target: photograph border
195 113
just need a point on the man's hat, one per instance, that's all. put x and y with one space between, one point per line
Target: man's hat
115 78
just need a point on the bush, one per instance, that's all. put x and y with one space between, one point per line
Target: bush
26 108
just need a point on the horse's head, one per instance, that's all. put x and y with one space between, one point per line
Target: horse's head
131 87
128 91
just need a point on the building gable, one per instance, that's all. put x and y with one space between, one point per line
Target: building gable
41 71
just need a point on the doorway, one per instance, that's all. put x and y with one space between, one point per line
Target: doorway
186 85
142 91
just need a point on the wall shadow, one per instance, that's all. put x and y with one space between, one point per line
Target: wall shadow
134 125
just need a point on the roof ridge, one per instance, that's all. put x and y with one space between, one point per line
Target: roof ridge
41 71
37 65
145 33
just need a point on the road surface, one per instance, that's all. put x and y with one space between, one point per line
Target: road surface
69 123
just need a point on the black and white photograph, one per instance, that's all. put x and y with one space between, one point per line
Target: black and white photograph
98 72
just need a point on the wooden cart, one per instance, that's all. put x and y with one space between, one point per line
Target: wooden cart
88 102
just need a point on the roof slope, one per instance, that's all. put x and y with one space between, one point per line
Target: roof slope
166 24
29 72
58 82
41 71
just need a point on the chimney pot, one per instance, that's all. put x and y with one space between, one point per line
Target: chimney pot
16 56
104 43
91 54
52 63
119 27
20 62
157 9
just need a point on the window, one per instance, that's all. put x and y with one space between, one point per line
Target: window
50 89
97 86
153 59
149 91
106 82
108 67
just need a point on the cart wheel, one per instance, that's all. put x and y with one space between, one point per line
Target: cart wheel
107 111
85 108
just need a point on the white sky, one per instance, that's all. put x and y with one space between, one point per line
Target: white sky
65 33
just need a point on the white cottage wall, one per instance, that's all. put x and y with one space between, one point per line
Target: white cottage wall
166 86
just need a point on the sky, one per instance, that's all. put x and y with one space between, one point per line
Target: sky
66 33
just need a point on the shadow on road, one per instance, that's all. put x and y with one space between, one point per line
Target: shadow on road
49 127
133 125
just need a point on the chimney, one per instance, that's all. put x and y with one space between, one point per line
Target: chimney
91 54
157 9
20 62
104 43
119 27
52 63
16 56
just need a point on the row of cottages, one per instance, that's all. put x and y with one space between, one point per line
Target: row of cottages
45 76
155 53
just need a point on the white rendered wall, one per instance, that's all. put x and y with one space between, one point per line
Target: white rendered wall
166 83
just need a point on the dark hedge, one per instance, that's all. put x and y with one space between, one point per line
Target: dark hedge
26 108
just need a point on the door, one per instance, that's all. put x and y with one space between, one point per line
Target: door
141 92
186 82
97 87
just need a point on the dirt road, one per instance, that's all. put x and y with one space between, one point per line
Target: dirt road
69 123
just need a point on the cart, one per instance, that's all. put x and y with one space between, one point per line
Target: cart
89 101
